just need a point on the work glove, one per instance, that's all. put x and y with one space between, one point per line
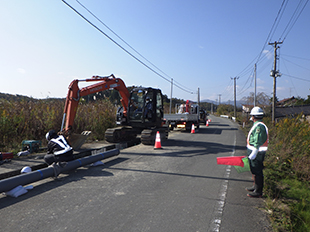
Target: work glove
253 154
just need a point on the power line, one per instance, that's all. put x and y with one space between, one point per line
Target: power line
272 29
141 62
271 32
295 57
302 79
120 37
290 78
295 64
268 37
294 20
281 14
227 90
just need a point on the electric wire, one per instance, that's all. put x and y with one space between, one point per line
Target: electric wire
289 22
296 57
280 17
290 77
121 38
227 90
294 20
250 73
272 29
137 59
295 64
271 32
177 83
302 79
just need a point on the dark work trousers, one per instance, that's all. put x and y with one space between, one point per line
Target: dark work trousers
257 165
51 158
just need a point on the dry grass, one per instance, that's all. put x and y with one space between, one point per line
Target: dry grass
31 119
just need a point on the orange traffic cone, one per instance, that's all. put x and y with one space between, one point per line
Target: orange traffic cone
209 120
193 129
157 141
207 124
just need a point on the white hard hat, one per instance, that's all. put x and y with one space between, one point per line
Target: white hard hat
49 135
25 170
257 111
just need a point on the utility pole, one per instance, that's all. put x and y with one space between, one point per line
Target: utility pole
274 73
254 84
198 97
220 99
171 96
235 113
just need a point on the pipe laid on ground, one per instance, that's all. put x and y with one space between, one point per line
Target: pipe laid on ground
27 178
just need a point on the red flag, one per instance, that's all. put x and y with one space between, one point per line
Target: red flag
231 160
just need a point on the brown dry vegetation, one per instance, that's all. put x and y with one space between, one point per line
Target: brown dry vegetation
31 119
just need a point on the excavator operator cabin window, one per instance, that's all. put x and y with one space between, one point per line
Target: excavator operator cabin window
136 105
158 105
149 106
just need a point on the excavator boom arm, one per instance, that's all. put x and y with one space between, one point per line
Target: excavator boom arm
75 93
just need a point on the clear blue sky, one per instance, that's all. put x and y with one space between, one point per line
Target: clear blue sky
200 44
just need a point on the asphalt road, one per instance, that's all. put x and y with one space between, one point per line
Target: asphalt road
177 188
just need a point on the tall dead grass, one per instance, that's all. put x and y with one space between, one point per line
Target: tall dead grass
31 119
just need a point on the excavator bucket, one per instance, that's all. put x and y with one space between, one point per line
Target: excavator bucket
77 140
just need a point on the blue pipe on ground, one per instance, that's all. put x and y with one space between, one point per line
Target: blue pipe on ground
27 178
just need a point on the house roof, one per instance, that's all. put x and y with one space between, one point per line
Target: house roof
291 110
287 100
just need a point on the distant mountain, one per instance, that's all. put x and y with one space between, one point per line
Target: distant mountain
230 102
17 97
11 97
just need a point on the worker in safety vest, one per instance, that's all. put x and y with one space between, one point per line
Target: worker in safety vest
257 145
58 149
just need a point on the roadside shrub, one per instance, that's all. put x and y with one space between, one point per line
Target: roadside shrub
289 148
287 175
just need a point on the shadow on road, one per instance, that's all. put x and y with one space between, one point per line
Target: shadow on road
63 179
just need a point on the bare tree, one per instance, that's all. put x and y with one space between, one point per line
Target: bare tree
261 99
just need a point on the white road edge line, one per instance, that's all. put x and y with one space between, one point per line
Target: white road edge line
218 210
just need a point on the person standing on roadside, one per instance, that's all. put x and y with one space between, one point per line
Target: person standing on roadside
257 145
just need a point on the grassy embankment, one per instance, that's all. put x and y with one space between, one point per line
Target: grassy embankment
287 174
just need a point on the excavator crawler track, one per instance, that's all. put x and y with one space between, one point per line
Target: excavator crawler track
148 135
120 134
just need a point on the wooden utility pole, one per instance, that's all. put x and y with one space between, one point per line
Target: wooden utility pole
274 73
171 96
198 97
235 105
254 85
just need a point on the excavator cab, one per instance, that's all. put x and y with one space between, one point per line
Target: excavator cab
145 108
144 116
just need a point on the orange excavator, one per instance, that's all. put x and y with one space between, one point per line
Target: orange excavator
141 111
